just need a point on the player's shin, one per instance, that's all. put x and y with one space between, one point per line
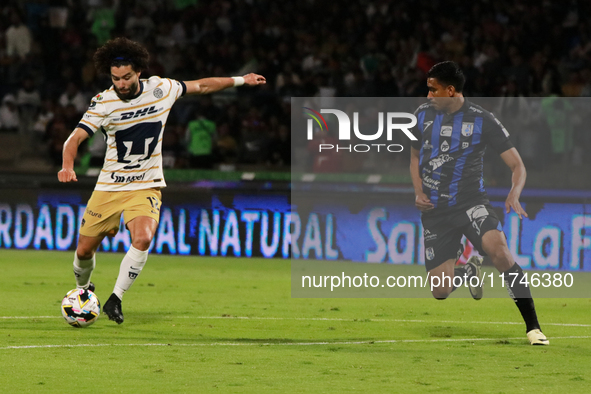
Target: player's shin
83 270
521 294
131 267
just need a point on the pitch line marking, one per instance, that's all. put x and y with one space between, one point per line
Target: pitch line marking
281 344
331 319
377 320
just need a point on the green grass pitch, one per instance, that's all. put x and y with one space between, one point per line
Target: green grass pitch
197 325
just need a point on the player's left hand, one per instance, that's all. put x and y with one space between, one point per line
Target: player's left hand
254 79
513 202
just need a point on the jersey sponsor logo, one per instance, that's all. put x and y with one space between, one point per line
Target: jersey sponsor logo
95 214
427 145
445 131
92 104
502 127
474 109
467 129
477 216
139 112
126 179
444 147
429 253
429 236
158 93
465 145
431 183
440 160
98 97
446 196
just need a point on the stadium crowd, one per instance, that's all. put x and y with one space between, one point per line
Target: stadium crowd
356 48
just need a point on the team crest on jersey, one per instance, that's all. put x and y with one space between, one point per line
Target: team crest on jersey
158 93
467 129
429 253
445 131
444 146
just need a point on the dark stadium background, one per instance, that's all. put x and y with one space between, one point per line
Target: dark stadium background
508 49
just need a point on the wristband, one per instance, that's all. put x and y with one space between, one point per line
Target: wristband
238 81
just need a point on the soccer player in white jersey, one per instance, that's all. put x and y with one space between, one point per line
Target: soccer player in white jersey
132 115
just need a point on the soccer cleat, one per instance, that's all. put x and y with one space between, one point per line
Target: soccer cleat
475 264
536 337
90 287
113 309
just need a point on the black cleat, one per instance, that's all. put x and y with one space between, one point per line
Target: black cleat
90 287
113 309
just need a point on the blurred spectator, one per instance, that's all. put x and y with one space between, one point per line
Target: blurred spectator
325 160
254 137
18 38
173 146
46 114
28 100
139 26
103 21
558 113
57 133
199 138
226 145
9 118
280 148
74 97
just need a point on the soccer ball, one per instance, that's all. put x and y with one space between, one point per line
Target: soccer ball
80 308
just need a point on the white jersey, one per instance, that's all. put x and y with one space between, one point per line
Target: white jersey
133 129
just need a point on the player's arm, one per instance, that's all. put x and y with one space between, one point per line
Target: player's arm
422 201
212 85
67 174
513 160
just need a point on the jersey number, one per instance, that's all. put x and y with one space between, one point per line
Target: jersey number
137 143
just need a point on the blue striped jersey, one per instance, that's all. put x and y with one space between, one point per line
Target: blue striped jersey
451 149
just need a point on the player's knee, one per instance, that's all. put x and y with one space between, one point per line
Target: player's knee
142 242
84 254
440 293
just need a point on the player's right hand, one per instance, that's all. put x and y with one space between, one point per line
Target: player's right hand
254 79
67 175
423 202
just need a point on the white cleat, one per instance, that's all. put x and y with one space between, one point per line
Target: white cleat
475 263
536 337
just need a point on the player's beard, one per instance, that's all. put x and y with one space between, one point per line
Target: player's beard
127 95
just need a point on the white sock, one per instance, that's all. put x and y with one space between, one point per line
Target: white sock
83 270
131 266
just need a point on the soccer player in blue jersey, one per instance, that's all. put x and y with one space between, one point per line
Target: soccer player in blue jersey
446 169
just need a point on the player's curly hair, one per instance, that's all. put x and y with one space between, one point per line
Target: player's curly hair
121 52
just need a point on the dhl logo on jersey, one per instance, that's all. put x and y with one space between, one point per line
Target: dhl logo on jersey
139 113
